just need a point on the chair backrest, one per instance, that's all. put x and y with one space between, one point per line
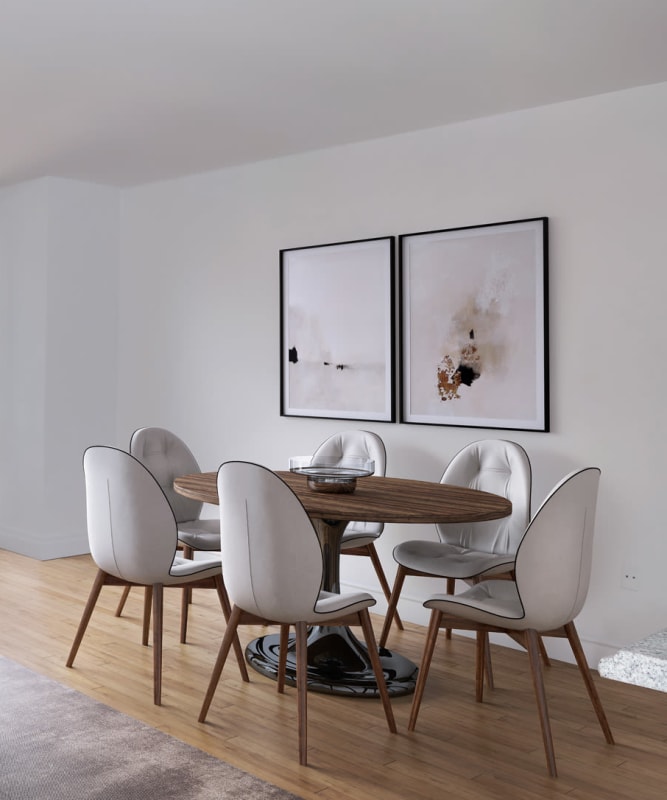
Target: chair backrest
272 556
131 528
499 467
167 457
553 562
357 443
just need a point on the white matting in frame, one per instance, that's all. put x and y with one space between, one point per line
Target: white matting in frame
337 330
474 326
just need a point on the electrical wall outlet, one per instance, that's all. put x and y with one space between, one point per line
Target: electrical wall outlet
630 580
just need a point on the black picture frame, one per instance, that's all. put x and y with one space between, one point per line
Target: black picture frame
337 330
473 320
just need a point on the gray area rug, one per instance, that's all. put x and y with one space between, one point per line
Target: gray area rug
58 744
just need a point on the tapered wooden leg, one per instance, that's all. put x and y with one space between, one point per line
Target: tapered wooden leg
371 646
575 643
158 593
429 646
187 596
488 667
95 590
282 658
146 623
533 648
302 689
543 652
382 578
482 643
393 602
227 610
451 586
185 602
148 598
225 645
519 639
122 601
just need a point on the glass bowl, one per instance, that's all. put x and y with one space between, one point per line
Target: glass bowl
332 474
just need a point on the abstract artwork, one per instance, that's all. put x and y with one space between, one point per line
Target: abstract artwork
337 330
474 326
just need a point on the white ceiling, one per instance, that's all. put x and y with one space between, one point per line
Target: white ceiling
130 91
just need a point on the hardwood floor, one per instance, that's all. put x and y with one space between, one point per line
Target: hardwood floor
461 749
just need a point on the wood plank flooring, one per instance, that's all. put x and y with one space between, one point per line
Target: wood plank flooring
461 749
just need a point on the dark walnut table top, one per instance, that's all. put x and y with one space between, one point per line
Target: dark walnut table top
376 499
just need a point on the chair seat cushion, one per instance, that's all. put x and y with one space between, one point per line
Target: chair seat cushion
184 569
200 534
332 605
491 602
449 560
357 539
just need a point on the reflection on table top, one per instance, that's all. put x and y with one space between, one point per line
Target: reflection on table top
376 499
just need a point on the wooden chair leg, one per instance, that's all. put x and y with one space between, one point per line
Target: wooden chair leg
543 652
227 611
95 590
186 599
282 658
429 646
302 689
225 645
146 623
482 646
533 648
393 602
188 553
575 644
148 597
520 640
371 646
488 667
158 592
122 601
451 585
382 578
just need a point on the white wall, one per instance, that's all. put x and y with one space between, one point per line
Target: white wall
199 311
23 266
58 276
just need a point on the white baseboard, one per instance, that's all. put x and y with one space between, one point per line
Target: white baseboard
42 548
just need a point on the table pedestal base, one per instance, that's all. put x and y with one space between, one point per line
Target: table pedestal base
338 663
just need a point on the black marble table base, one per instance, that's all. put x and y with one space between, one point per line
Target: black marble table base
338 663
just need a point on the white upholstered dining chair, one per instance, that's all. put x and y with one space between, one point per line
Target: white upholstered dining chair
359 537
167 457
132 535
273 560
552 572
471 550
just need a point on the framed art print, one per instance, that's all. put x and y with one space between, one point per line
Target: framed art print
337 330
474 326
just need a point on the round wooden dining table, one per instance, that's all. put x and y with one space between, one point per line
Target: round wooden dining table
338 662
